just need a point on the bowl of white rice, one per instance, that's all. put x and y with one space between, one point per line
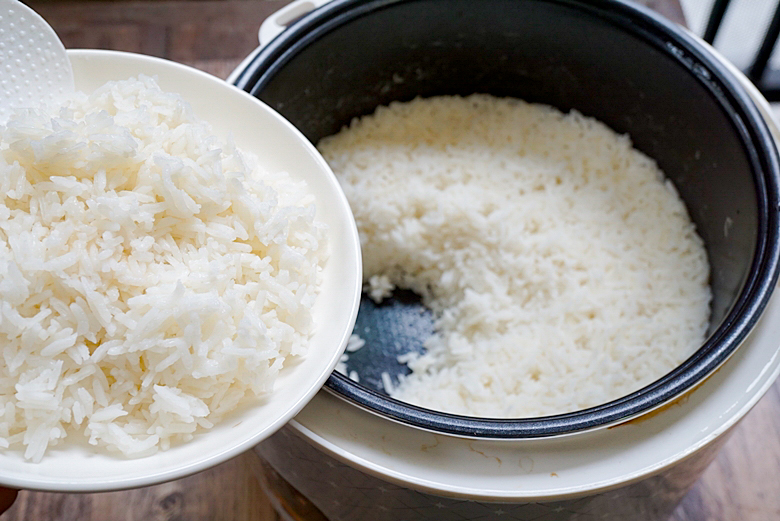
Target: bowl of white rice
568 219
180 274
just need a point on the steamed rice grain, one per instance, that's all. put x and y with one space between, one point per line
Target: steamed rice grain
560 264
152 277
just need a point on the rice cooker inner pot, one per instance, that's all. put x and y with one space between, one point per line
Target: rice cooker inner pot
616 62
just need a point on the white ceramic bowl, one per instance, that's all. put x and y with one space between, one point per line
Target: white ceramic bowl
256 128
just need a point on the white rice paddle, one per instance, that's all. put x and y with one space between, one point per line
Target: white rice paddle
34 67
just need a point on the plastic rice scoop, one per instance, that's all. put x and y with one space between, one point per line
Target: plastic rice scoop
34 67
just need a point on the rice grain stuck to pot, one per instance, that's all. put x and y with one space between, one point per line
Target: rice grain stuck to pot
561 266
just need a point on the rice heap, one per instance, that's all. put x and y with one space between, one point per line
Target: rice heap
562 268
152 277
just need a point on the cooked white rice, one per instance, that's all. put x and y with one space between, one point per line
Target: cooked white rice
354 343
562 268
152 277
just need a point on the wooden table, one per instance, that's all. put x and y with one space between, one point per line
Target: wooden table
743 484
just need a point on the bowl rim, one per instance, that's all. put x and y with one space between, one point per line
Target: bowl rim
700 61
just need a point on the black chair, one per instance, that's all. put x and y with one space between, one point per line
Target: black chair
766 79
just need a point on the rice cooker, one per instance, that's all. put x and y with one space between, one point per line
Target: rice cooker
355 454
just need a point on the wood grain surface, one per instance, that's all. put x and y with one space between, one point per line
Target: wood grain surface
743 484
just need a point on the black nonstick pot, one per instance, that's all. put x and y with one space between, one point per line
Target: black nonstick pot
611 60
